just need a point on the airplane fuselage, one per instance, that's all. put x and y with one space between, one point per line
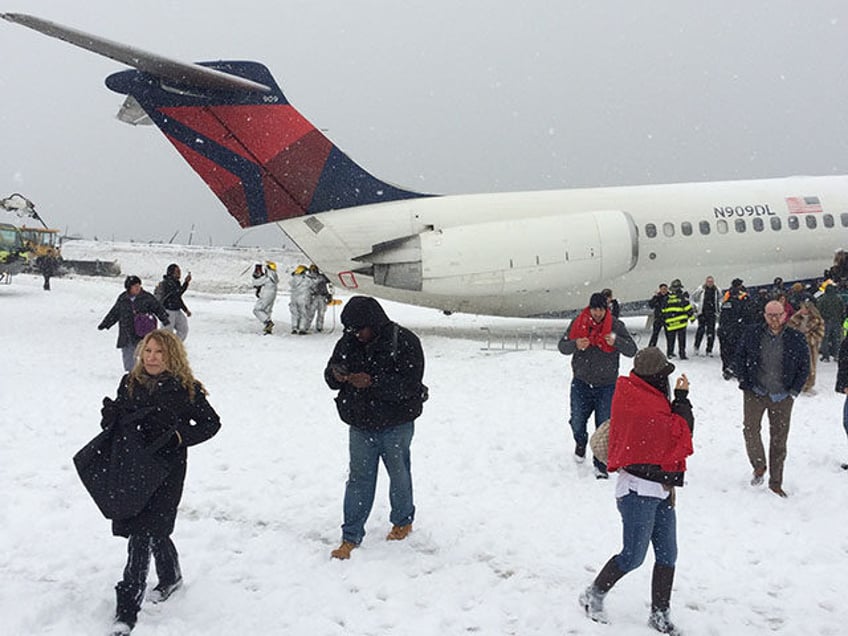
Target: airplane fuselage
538 253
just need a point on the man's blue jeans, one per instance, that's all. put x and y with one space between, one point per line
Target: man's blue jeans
585 399
646 520
367 448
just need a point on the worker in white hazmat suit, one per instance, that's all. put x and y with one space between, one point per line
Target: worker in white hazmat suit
265 281
300 302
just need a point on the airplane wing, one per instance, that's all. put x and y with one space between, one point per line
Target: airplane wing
169 69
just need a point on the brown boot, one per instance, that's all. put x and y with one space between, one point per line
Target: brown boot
343 551
399 533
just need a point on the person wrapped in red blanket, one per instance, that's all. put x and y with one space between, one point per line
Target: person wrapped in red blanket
650 439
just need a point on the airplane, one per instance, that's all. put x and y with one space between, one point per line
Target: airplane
519 254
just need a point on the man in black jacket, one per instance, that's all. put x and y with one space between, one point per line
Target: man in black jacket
170 292
376 367
772 363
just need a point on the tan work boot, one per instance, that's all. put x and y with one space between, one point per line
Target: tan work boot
399 533
343 551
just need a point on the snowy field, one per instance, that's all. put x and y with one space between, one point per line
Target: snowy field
508 529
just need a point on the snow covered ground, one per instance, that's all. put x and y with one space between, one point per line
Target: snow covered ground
508 529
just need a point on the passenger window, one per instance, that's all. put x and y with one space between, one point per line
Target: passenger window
811 221
721 226
843 218
740 225
704 226
827 220
686 228
775 223
792 222
668 229
758 224
651 229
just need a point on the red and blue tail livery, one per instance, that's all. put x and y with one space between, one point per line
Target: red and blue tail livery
509 254
256 152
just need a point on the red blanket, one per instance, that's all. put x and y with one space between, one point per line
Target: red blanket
643 430
584 326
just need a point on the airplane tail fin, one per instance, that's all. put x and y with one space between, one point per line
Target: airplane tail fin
258 154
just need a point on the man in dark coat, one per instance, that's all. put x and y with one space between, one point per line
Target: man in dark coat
376 367
657 303
772 364
731 323
707 301
832 310
595 340
131 303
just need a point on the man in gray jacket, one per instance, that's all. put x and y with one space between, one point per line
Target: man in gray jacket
595 341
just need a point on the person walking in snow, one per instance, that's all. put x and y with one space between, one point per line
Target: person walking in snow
842 384
831 306
707 301
319 295
657 303
300 300
595 340
650 437
808 321
265 283
377 368
162 395
133 311
170 292
772 363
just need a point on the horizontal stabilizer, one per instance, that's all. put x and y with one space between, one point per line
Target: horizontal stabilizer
156 65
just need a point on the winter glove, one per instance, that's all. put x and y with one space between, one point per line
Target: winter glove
109 413
101 327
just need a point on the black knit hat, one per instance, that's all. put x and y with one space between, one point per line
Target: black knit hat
598 301
130 281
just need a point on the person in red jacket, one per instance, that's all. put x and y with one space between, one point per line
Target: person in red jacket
650 438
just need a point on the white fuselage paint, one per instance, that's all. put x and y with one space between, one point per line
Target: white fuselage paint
535 253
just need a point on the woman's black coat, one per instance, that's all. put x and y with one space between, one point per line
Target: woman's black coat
171 406
123 312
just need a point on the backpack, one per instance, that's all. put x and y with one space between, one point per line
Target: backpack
425 390
159 292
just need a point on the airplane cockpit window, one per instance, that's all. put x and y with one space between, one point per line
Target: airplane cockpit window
775 223
811 222
668 229
704 226
651 229
827 220
721 226
740 225
843 218
793 223
758 224
686 228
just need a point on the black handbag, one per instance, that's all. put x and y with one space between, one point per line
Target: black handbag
119 470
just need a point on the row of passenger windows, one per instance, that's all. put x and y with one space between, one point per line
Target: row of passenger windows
758 224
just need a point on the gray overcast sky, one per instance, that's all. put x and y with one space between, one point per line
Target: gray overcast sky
442 96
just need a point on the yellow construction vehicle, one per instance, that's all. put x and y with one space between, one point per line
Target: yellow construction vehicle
41 242
13 253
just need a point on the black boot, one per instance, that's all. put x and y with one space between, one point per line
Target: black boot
661 582
129 603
